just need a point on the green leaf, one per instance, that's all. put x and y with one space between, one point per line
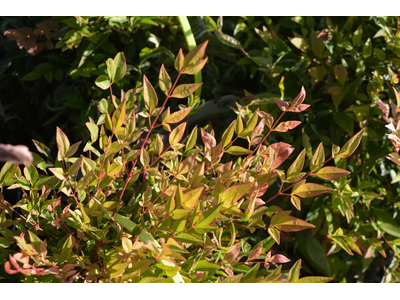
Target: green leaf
237 150
74 168
251 274
209 216
341 74
116 67
67 248
164 80
179 61
149 95
118 269
351 145
357 36
310 190
275 234
314 279
7 172
103 82
58 172
177 116
185 90
294 272
317 44
287 223
196 68
330 173
42 148
206 266
233 279
192 139
195 55
367 50
72 150
62 144
296 166
94 131
177 134
299 43
119 115
35 74
234 193
190 199
115 147
188 238
228 134
315 254
31 174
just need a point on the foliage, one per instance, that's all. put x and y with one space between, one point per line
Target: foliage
142 207
348 65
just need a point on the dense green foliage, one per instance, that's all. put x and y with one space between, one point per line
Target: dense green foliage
345 65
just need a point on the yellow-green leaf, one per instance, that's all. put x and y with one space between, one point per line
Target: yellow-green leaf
177 134
330 173
149 95
318 159
177 116
310 190
351 145
164 80
234 193
185 90
62 144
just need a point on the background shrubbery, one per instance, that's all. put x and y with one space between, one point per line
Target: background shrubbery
344 63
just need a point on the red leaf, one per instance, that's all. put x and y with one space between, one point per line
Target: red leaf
299 108
255 253
208 140
279 259
233 253
283 105
283 151
300 98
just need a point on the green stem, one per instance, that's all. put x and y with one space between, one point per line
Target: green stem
191 42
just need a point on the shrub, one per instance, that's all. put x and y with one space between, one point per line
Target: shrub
149 206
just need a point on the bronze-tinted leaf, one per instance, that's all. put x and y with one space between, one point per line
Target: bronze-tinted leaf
179 61
318 159
288 125
233 253
208 140
269 120
185 90
283 105
177 116
149 95
236 192
255 253
62 144
195 55
282 152
196 68
279 259
351 145
309 190
330 173
164 80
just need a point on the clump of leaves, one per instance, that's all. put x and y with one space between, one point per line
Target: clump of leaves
393 123
142 206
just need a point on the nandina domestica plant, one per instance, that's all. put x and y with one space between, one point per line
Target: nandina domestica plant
140 205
